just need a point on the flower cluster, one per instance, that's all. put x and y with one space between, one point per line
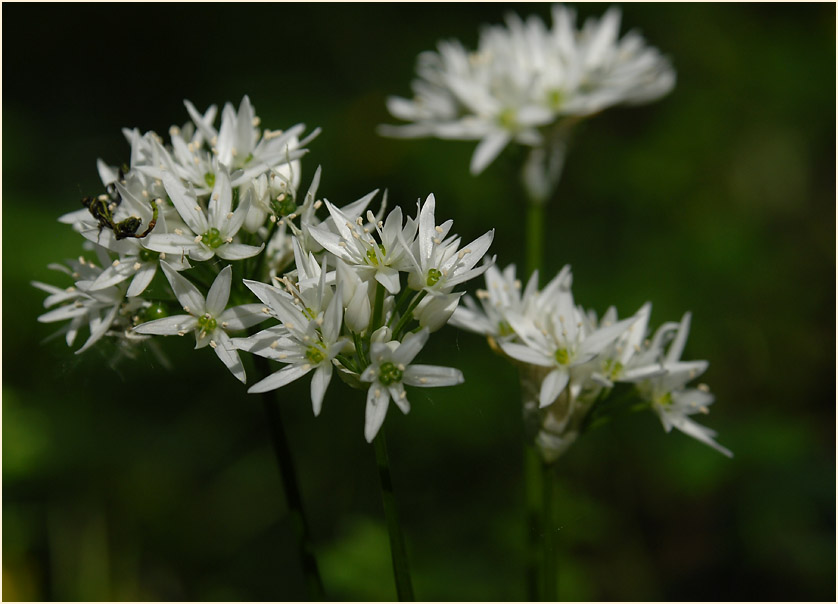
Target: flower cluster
188 236
208 195
523 79
571 362
367 306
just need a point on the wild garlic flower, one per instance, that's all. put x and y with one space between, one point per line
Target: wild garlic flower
97 309
524 79
207 233
391 368
207 317
181 205
570 362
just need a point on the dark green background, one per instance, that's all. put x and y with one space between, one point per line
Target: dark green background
125 480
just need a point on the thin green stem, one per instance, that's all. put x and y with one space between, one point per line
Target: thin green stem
377 308
408 314
534 238
532 485
549 573
359 350
404 587
288 475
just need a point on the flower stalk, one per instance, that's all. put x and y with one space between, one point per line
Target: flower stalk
401 571
290 485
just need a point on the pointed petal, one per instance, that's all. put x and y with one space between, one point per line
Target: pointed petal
167 326
228 354
280 378
552 386
242 316
488 149
410 347
187 294
432 376
219 293
319 383
378 399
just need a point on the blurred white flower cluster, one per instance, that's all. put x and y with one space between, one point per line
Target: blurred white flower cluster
571 362
524 79
218 212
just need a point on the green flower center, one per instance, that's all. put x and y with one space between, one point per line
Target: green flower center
562 356
315 355
433 277
207 323
505 329
212 238
389 374
555 99
665 399
612 368
507 119
371 255
209 178
284 205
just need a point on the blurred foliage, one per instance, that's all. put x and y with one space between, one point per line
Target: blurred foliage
126 480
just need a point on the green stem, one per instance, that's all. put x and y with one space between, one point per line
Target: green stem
408 314
288 475
377 308
534 238
359 350
404 588
549 572
532 486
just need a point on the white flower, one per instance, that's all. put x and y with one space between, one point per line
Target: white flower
523 78
306 341
440 264
209 318
670 398
355 245
207 234
96 309
390 369
239 145
501 296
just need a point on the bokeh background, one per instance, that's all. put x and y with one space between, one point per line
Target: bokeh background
128 480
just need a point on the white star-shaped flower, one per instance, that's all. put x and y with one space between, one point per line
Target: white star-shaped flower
390 369
209 318
209 233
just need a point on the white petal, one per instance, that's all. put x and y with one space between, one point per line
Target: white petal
488 149
228 354
319 383
410 347
399 396
280 378
378 399
526 354
98 329
167 326
219 293
186 203
242 317
552 386
432 376
237 251
389 278
186 293
142 279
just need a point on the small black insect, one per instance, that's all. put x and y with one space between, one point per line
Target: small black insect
102 209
